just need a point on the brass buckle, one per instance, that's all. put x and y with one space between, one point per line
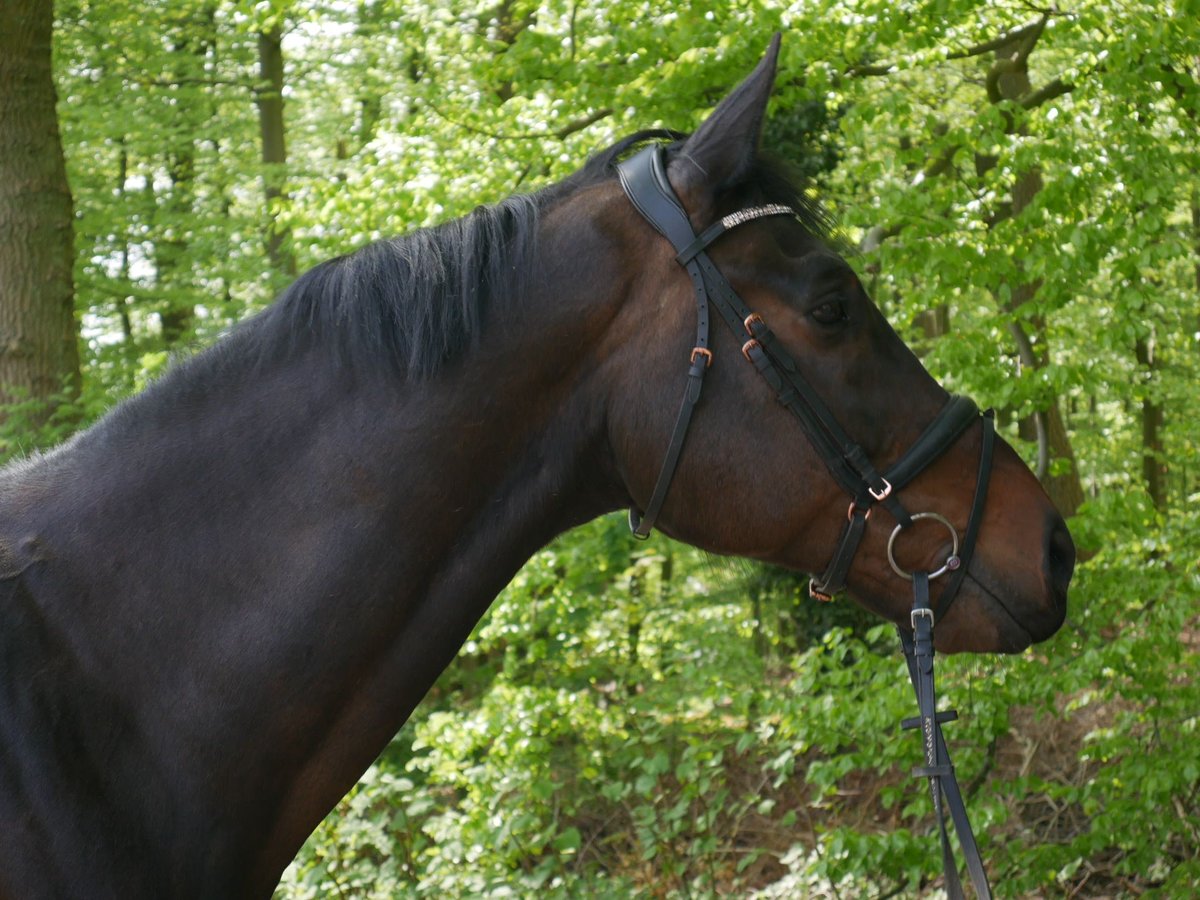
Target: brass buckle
702 351
753 317
746 348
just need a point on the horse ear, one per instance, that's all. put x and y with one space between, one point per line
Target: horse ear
723 148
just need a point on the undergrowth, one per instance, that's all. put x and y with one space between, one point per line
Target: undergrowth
664 725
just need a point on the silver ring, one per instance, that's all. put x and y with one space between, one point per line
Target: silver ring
952 561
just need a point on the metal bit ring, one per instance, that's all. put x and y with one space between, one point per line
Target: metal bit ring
952 561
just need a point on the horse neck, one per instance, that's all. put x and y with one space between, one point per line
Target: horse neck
259 572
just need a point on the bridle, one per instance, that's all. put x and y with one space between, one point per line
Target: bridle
644 180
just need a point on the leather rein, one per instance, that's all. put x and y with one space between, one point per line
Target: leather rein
644 180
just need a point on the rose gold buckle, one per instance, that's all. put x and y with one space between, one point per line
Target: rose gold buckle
702 351
818 595
753 317
746 348
885 493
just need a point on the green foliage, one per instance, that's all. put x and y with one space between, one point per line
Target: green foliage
30 424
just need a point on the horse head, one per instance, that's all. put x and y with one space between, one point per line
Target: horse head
746 476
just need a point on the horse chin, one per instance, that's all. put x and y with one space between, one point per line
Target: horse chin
989 618
979 634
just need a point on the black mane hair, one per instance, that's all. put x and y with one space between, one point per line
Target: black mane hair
421 301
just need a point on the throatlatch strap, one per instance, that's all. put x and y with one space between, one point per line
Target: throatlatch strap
645 183
642 525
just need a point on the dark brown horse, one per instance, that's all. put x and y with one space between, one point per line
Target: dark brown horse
219 603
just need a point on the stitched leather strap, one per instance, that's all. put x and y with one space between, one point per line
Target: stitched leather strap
642 525
943 783
975 517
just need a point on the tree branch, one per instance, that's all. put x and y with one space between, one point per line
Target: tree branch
560 133
1047 92
196 82
1033 29
582 122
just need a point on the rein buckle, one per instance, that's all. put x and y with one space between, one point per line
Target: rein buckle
817 594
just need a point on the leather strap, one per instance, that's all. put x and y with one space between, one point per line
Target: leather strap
644 179
732 220
943 783
642 525
919 654
975 517
954 418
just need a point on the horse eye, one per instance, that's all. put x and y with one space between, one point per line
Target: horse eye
829 313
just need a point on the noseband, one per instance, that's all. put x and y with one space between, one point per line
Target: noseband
644 180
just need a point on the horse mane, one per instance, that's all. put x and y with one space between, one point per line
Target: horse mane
421 301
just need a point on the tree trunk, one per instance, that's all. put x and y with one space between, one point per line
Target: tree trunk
1154 472
194 39
123 273
1009 80
39 355
172 250
274 150
1196 241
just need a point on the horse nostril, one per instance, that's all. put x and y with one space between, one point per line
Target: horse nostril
1060 557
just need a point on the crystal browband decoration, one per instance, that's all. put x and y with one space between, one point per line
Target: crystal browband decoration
745 215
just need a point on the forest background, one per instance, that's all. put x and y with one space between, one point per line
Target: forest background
1020 182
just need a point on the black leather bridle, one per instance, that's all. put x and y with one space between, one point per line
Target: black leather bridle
644 179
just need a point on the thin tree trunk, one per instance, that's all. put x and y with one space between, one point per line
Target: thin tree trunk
194 39
1009 80
171 251
123 273
39 354
1196 242
1154 472
274 149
